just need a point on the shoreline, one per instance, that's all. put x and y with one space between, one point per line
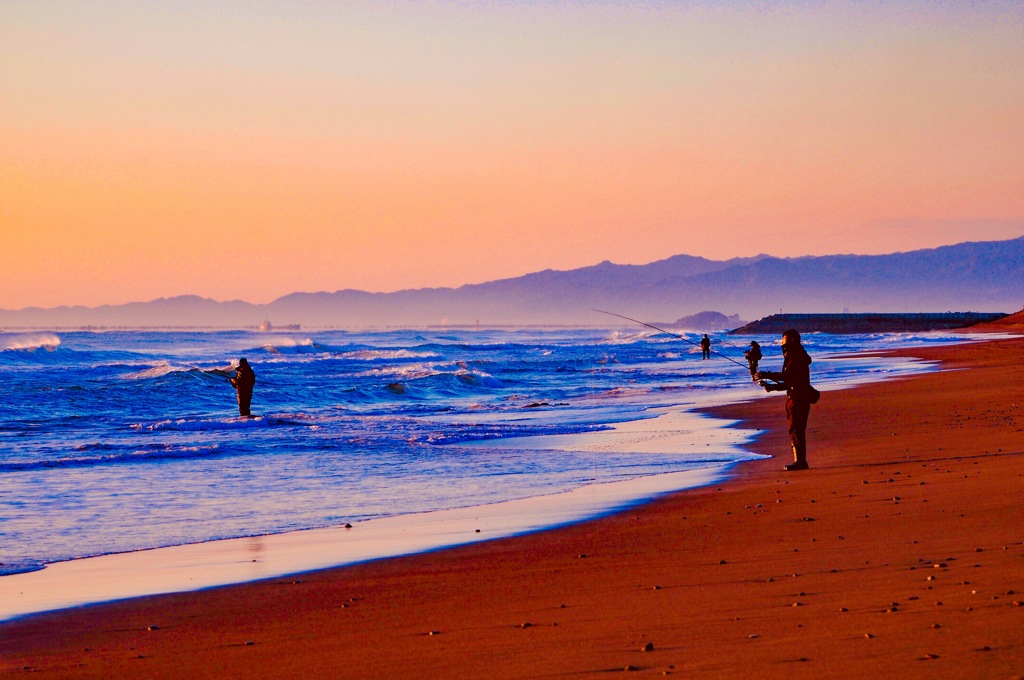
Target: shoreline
723 579
221 562
194 567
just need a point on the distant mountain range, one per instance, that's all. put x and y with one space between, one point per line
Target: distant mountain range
984 276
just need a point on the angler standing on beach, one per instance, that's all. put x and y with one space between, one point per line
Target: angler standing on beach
795 379
243 382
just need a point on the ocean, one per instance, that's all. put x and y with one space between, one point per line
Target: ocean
120 441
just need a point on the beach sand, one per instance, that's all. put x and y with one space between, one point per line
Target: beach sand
899 554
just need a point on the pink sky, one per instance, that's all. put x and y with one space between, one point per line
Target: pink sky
250 150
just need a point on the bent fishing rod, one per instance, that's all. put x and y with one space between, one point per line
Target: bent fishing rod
662 330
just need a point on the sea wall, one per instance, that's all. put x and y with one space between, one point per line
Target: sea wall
866 322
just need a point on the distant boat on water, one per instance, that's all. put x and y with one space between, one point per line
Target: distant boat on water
267 326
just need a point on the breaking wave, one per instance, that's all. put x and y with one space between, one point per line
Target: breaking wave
386 354
142 455
29 341
207 424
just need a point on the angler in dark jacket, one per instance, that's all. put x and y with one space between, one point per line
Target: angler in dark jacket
705 347
795 379
243 381
753 356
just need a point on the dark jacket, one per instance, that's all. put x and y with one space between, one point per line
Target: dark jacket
244 378
796 372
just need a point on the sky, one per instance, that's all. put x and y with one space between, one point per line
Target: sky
247 150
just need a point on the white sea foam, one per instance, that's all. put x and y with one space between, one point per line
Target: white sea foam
627 337
403 372
30 341
377 354
289 341
160 370
203 424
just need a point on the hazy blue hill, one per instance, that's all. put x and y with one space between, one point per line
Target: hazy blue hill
183 310
986 276
965 277
607 274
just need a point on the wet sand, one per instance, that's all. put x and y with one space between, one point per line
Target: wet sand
900 553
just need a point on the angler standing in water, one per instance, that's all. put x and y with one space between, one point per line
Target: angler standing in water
243 382
753 356
705 347
795 379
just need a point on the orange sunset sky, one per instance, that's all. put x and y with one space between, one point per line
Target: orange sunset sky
246 150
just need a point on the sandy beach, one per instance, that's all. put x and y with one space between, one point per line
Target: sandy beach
899 554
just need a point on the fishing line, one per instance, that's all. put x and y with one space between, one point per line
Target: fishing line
684 339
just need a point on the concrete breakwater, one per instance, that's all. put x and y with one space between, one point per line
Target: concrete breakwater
866 322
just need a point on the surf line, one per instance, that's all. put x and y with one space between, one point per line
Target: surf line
684 339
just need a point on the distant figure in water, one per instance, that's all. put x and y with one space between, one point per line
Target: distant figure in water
795 379
243 381
705 347
753 356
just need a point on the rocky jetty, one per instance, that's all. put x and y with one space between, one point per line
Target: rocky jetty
866 322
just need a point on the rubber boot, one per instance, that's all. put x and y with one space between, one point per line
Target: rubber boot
799 460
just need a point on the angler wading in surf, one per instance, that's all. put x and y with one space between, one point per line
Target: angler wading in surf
243 382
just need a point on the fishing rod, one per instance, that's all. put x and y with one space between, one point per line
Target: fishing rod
683 338
225 373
